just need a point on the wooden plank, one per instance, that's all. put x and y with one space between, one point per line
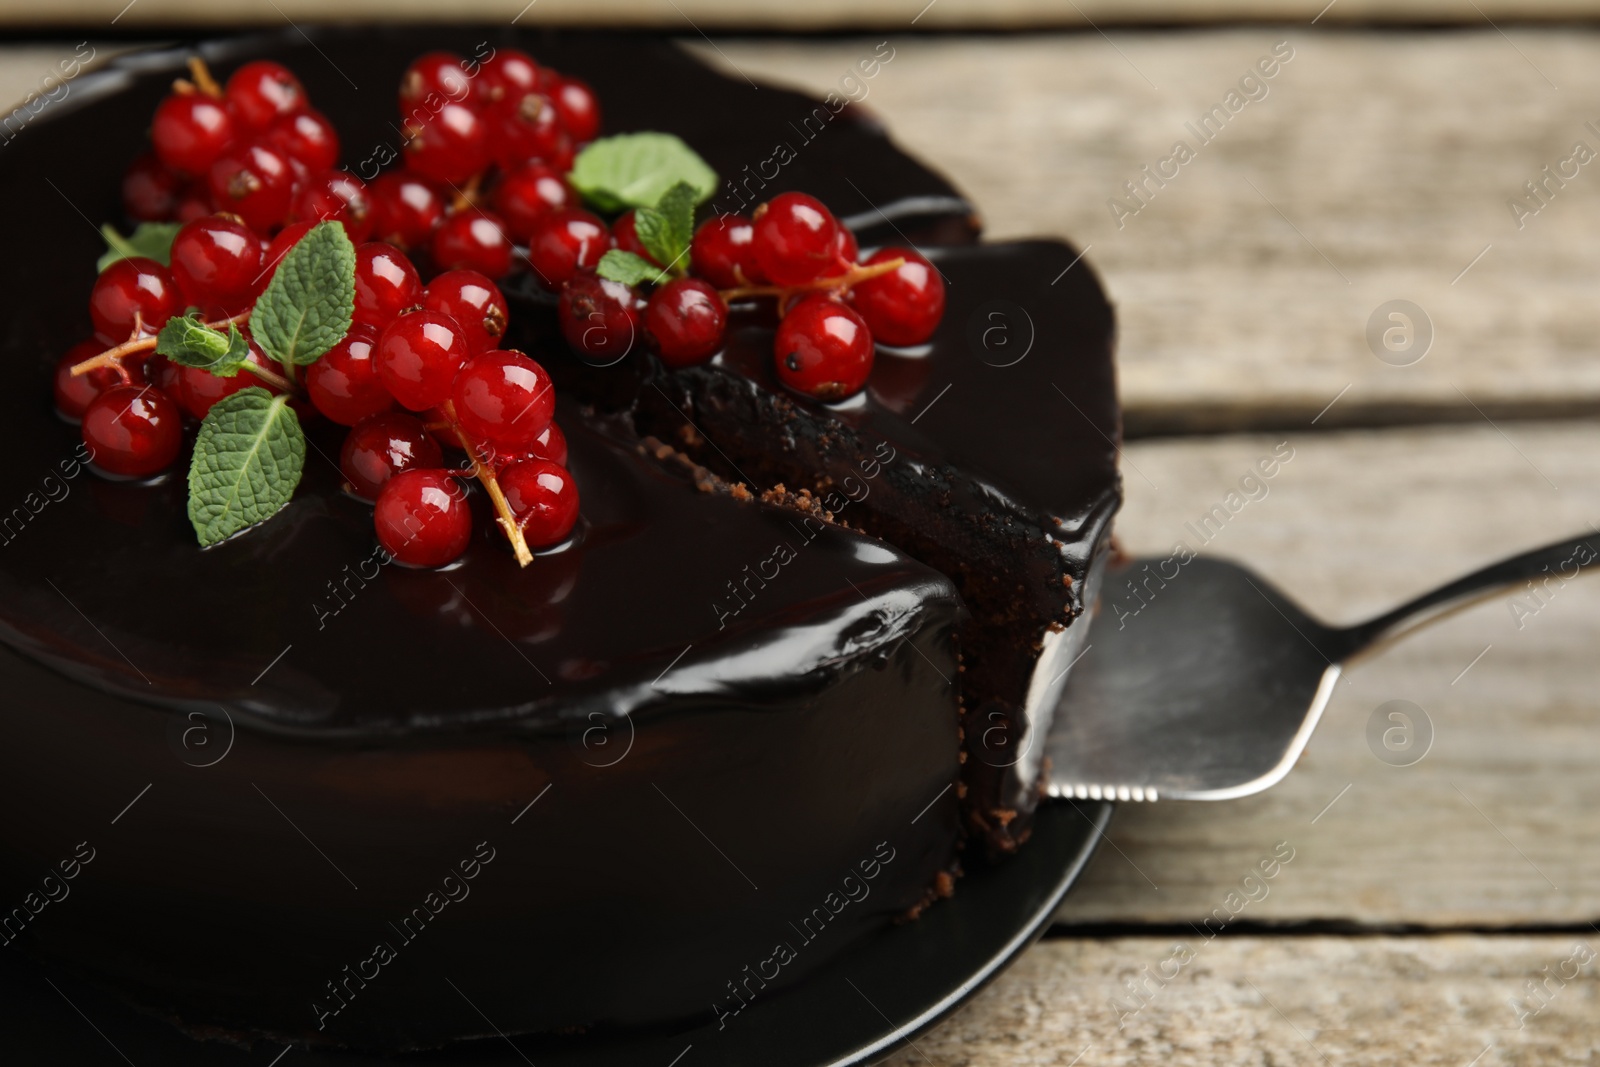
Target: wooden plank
1500 823
1376 1001
816 14
1376 167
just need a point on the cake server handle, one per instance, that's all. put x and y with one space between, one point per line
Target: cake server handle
1558 562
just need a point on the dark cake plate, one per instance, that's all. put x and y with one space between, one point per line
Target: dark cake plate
876 998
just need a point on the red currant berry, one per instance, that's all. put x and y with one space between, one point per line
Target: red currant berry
579 108
191 131
405 209
686 319
381 446
217 263
473 239
198 389
723 252
504 398
279 247
823 349
194 204
543 497
794 238
308 137
422 518
625 233
845 253
74 394
336 195
132 431
476 304
344 384
566 242
509 72
449 146
150 192
254 182
904 306
386 285
551 445
165 375
261 92
529 193
130 291
439 74
526 127
418 356
599 318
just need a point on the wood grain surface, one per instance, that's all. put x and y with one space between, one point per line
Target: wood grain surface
1497 825
1375 167
1257 1002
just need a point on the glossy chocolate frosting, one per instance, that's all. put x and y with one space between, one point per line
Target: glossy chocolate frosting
989 453
782 689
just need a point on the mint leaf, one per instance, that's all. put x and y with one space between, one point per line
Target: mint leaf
152 240
307 306
247 462
627 268
666 229
189 342
637 169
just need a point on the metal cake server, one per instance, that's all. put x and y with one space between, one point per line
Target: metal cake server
1206 685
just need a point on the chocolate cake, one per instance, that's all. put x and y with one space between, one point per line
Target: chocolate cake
795 661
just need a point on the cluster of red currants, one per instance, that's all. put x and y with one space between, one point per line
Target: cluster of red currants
256 149
501 132
432 350
834 309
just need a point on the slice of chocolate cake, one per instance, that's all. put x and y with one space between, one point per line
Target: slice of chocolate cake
988 453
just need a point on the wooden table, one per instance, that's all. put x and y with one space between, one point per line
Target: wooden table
1421 900
1378 166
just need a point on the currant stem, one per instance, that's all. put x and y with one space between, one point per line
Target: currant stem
854 276
203 79
272 378
112 357
485 474
467 198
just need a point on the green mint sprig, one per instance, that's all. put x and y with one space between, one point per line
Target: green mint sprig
307 307
188 342
665 230
628 268
637 169
151 240
247 463
250 452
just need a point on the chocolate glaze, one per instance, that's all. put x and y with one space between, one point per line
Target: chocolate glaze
1002 432
382 722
